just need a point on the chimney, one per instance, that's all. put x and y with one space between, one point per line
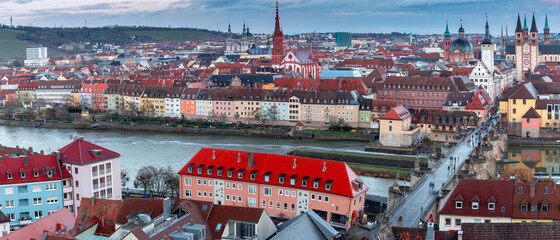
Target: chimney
324 166
25 161
250 159
167 204
30 150
80 226
42 152
81 138
295 165
460 235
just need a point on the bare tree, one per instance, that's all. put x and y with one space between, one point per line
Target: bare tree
172 181
143 178
125 178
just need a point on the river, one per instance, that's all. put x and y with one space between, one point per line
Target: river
139 149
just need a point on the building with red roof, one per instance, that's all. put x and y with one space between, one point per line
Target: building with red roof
56 223
96 170
476 201
286 186
33 187
396 129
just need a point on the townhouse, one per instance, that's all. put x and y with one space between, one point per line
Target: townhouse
96 171
32 187
286 186
276 103
204 102
188 102
56 92
27 92
173 101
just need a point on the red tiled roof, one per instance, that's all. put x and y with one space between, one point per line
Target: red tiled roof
222 214
531 113
79 152
511 231
397 113
275 165
48 224
40 163
104 209
485 190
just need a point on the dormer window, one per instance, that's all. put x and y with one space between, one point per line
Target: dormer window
209 171
474 205
281 178
22 174
459 204
230 172
35 174
546 190
199 169
49 173
316 182
9 176
520 190
240 173
267 176
253 175
491 206
293 180
328 185
304 181
190 168
220 171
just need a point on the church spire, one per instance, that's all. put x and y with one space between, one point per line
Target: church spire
546 22
487 39
534 25
525 22
518 28
278 42
229 27
244 27
461 31
447 34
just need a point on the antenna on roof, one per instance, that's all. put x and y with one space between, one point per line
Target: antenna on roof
324 166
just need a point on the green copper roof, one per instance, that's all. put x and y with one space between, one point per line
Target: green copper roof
546 23
525 23
447 34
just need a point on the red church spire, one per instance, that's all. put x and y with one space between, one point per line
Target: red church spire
278 42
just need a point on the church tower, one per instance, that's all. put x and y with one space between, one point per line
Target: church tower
520 50
487 49
534 45
278 43
546 31
446 41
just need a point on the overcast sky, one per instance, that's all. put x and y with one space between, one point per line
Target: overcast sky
296 16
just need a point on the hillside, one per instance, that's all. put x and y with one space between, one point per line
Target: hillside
14 41
12 47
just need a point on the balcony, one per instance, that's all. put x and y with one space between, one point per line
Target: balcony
25 221
95 173
240 238
95 186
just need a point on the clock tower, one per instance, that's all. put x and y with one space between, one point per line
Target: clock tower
487 49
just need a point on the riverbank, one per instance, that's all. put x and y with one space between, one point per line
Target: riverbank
374 165
536 142
196 130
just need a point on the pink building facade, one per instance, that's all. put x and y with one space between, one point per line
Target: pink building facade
286 186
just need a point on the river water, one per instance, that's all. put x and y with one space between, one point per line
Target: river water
139 149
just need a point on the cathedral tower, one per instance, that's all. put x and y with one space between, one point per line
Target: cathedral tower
534 45
487 49
520 50
278 43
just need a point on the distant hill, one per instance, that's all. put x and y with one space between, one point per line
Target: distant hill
13 41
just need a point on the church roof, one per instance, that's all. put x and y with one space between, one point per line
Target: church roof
518 28
546 23
462 45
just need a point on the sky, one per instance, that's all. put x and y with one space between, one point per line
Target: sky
296 16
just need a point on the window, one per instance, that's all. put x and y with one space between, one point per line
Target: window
239 198
287 193
491 206
327 199
304 183
263 203
37 201
233 186
271 204
266 178
36 188
293 193
77 184
277 205
292 207
544 208
239 186
12 216
474 205
280 193
448 222
459 204
546 190
38 214
281 180
458 222
218 227
188 193
188 181
520 190
204 182
312 196
267 191
10 204
9 175
76 170
327 186
252 189
319 197
35 174
252 202
227 197
315 184
534 208
523 208
227 185
51 200
199 193
285 206
22 189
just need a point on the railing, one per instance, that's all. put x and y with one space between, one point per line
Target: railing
25 222
240 238
338 225
95 186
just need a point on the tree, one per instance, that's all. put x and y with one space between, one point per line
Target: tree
172 181
143 178
125 178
